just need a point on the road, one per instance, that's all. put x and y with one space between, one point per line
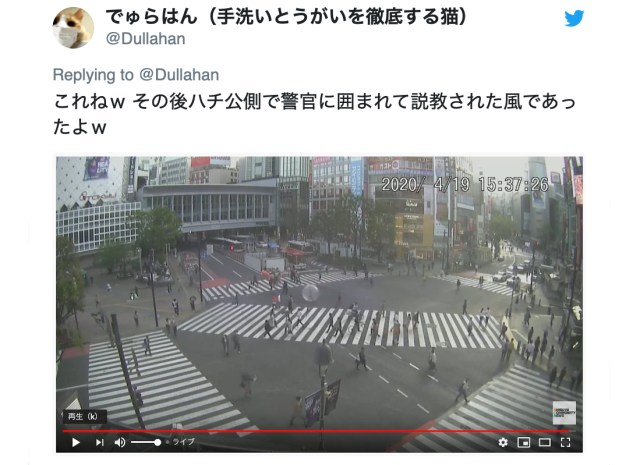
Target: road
190 380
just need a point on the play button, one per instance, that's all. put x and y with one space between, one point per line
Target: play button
74 442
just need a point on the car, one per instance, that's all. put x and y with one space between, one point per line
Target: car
514 282
500 258
262 245
500 277
300 266
521 268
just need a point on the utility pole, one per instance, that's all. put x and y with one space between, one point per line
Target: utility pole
200 268
125 370
153 289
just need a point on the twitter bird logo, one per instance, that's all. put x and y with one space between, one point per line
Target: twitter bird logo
573 19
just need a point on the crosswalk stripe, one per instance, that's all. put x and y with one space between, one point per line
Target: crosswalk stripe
234 320
448 331
442 329
174 390
517 399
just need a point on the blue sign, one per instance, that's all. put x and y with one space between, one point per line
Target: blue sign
356 177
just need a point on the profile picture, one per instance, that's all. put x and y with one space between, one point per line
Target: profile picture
73 27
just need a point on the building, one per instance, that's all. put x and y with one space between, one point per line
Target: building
174 171
91 200
330 180
250 168
216 209
212 170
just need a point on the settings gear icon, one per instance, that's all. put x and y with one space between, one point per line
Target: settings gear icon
502 442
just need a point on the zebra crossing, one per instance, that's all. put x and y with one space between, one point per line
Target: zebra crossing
433 329
173 389
519 399
498 288
230 290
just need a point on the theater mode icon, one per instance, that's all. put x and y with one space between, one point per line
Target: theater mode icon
524 442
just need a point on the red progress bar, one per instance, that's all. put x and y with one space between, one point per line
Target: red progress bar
306 431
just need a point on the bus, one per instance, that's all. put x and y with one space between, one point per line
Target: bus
228 244
304 247
246 239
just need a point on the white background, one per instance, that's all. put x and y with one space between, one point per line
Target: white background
505 46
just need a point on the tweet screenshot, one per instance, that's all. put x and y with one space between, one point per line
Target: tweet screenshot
302 228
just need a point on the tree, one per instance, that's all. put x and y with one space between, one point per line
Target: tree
113 254
156 228
324 223
69 282
500 227
351 208
380 223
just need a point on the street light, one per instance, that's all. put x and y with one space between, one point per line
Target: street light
153 290
323 357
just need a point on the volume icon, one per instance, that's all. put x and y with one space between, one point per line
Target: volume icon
120 442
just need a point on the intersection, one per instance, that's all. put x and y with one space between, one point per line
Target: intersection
190 380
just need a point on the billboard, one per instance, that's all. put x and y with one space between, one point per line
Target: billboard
220 161
197 162
131 184
356 183
428 200
537 169
96 168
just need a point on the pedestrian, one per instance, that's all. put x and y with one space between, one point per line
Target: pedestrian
462 391
91 280
433 359
416 319
299 315
512 347
543 347
396 334
267 328
552 375
236 342
503 331
561 376
167 327
470 327
330 327
225 345
169 288
298 411
338 326
361 360
108 287
382 309
134 362
290 304
505 348
574 379
237 300
487 315
138 396
97 301
274 299
147 345
246 381
288 328
135 318
549 310
319 275
509 313
537 343
464 307
529 350
192 302
174 304
552 352
578 380
339 300
535 355
481 316
174 326
551 322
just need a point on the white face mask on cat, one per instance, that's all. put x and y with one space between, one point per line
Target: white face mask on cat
67 36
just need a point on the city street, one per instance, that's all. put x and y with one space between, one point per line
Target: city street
188 379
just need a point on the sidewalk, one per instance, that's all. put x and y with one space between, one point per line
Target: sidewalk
117 301
539 322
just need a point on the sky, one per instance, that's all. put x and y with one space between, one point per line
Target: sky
500 167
